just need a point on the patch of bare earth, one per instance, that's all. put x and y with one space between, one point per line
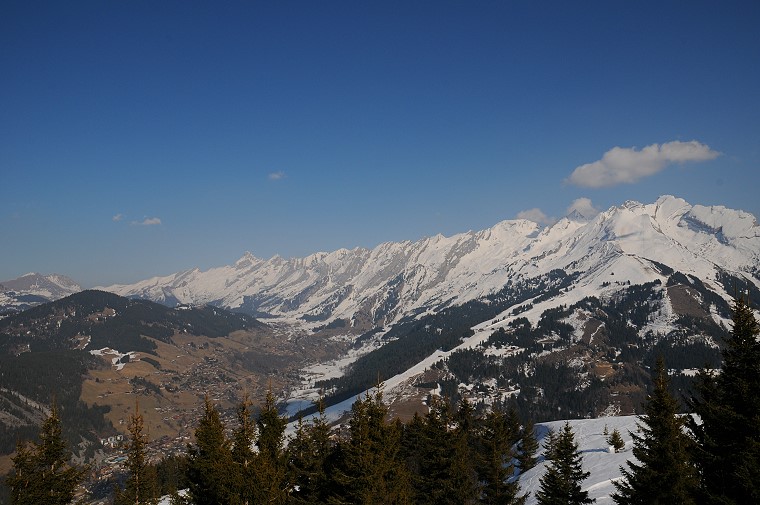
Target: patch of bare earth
411 396
686 301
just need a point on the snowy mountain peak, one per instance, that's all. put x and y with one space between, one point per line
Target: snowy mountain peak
575 215
34 288
395 279
631 204
247 261
44 285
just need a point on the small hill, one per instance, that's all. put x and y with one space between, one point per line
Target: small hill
96 319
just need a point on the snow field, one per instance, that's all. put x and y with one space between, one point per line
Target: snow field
598 457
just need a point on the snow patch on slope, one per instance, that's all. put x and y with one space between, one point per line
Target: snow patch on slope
598 457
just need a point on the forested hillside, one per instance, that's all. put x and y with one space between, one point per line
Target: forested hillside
48 351
569 360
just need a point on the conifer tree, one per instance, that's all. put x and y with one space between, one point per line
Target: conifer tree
466 447
171 474
528 447
615 439
444 477
513 424
466 422
436 452
561 484
141 486
550 445
412 443
495 463
42 472
321 450
398 478
664 472
270 460
370 469
308 453
728 406
299 460
242 454
210 480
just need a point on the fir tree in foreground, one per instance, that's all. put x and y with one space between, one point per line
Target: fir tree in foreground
443 472
242 454
228 471
495 467
561 484
210 462
664 473
368 467
307 454
728 404
528 447
550 445
141 486
270 461
466 442
42 473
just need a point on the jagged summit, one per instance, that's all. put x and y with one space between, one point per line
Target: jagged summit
575 215
394 279
247 260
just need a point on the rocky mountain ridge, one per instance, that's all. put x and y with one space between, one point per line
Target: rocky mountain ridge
380 286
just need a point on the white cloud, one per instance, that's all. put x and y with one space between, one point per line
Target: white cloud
148 221
117 218
584 207
624 165
276 176
536 215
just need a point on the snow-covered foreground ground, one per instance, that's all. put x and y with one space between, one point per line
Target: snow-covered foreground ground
598 458
167 500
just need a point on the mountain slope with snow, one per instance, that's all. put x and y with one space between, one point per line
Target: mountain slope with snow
377 287
32 289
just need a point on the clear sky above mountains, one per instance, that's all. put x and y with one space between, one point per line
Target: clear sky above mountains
143 138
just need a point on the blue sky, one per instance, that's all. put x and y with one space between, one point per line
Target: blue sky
144 138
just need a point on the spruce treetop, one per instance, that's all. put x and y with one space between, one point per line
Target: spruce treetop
663 472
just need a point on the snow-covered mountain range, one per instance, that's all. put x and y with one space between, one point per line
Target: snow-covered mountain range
377 287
